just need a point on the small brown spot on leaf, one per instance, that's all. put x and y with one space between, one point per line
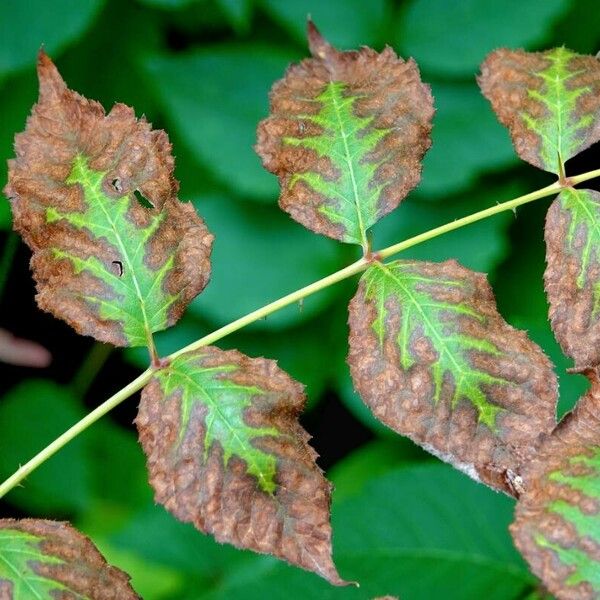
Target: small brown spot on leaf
118 267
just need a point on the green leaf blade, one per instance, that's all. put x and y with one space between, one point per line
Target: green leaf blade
462 124
108 265
132 281
46 559
16 550
346 148
351 22
398 537
433 359
225 452
548 100
258 244
572 276
213 130
23 433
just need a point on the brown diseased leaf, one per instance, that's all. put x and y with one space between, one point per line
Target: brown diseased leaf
433 359
557 522
50 559
550 102
109 266
346 136
225 451
572 277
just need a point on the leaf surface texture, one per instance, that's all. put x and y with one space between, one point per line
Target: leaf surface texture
557 524
48 559
572 276
109 266
225 452
433 359
550 102
346 136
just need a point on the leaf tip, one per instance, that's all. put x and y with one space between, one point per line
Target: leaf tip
328 571
48 75
319 47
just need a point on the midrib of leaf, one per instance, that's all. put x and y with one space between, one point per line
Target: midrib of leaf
339 123
559 138
20 576
348 157
431 329
93 188
463 386
247 452
138 282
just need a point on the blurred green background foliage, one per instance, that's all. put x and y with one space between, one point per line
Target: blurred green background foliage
404 523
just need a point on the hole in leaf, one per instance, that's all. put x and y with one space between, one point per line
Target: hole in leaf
116 183
118 267
145 203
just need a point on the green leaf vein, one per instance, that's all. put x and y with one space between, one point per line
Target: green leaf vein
397 282
225 402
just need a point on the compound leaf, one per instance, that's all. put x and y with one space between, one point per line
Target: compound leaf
346 136
48 559
550 102
557 523
109 266
225 452
572 277
433 360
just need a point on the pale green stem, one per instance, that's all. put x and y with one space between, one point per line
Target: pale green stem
583 177
356 267
353 269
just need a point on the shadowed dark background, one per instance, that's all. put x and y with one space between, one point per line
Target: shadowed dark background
404 524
